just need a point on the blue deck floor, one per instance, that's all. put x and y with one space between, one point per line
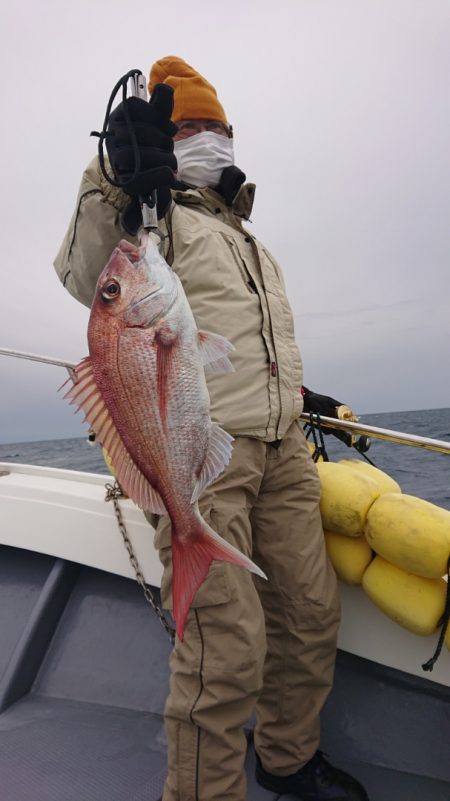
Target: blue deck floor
83 678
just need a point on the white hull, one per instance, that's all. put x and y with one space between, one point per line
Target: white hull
63 513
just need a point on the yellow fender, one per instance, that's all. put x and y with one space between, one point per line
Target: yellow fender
411 533
108 462
385 482
416 603
111 468
364 511
350 556
346 497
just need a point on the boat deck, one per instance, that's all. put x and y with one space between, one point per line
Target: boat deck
84 676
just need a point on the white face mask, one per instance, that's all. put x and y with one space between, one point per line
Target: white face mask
202 158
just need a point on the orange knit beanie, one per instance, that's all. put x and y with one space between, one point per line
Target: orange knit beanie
194 98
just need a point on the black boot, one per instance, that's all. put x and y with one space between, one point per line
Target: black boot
316 781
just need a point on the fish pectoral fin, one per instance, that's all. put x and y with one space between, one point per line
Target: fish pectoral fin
85 394
214 350
217 457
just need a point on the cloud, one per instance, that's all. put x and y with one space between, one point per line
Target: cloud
341 117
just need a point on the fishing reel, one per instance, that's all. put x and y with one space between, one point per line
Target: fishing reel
362 444
314 428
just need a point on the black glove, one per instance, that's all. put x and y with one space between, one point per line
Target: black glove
329 407
320 404
153 146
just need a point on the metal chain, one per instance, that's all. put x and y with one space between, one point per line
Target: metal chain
113 493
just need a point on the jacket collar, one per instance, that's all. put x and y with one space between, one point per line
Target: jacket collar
210 199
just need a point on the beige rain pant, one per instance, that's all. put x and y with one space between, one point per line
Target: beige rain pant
252 645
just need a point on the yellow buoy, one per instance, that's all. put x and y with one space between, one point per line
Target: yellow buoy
350 556
385 482
416 603
411 533
346 497
108 462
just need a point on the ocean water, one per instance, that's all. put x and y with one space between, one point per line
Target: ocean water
419 472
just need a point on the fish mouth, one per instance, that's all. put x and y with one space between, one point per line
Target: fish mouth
146 297
172 296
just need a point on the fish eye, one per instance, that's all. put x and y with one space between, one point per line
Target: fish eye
111 290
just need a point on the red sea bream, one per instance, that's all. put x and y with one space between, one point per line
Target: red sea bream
144 394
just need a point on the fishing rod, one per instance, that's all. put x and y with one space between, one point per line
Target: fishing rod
398 437
35 357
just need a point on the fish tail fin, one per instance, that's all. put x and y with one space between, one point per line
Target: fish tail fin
191 560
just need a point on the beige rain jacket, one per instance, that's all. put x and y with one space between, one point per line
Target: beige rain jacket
234 287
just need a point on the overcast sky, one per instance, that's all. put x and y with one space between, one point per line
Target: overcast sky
341 113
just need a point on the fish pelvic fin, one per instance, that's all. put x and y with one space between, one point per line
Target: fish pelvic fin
217 457
85 394
191 559
214 350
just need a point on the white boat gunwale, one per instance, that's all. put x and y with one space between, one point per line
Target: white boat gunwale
40 502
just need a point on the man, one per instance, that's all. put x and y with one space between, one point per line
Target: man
250 645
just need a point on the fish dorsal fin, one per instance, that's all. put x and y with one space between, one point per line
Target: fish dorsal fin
217 457
214 350
85 394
